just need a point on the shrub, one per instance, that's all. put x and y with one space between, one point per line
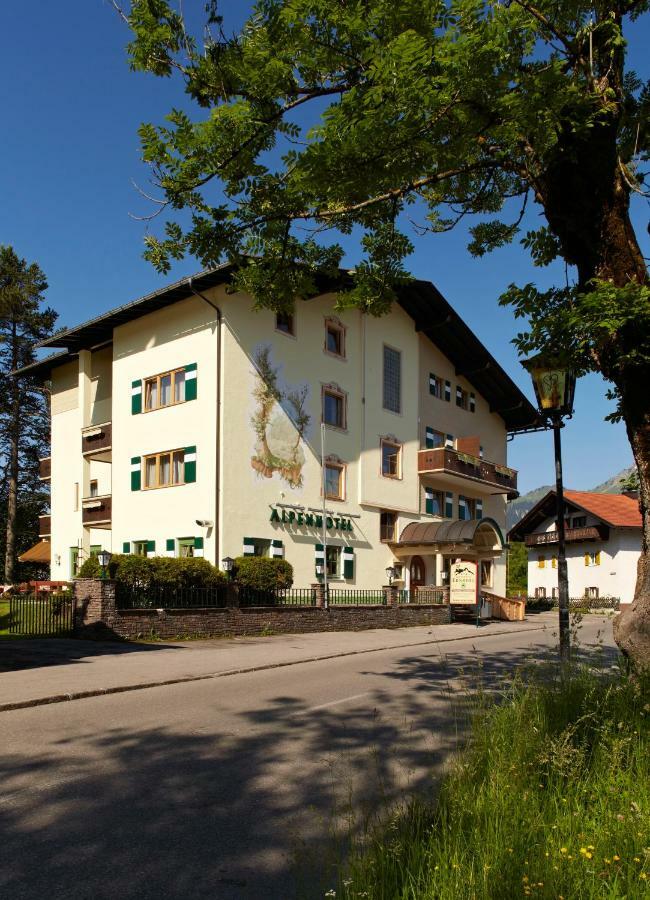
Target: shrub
262 573
90 568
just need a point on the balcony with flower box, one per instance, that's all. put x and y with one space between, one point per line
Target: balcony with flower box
462 467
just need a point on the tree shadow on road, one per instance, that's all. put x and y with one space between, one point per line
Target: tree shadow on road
246 799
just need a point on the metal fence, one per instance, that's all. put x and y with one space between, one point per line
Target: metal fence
249 596
128 596
351 597
540 604
42 615
426 596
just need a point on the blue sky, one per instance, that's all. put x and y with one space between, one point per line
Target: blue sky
70 152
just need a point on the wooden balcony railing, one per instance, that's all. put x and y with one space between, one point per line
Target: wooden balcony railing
97 510
97 439
44 526
590 533
448 461
45 468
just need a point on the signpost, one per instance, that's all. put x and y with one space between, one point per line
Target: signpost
463 584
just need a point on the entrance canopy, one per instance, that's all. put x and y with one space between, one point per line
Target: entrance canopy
39 553
477 535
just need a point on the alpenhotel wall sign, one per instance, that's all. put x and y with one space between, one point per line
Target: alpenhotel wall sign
309 520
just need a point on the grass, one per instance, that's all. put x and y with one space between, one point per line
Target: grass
4 618
551 799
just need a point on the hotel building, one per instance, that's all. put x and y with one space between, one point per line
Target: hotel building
188 423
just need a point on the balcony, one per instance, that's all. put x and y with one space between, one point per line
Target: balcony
44 526
45 468
590 533
463 470
97 511
96 441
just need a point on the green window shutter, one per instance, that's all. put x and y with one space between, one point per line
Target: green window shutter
348 562
277 549
449 505
136 473
479 509
190 465
319 555
190 381
198 546
448 391
428 438
462 507
249 547
151 548
428 503
136 397
472 403
169 544
126 547
449 441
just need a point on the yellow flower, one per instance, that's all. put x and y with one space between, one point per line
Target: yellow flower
643 876
590 847
588 855
563 850
616 858
636 859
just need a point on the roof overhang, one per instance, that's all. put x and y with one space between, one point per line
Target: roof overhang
476 535
39 553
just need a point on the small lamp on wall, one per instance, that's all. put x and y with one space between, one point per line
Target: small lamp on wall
390 574
319 570
227 564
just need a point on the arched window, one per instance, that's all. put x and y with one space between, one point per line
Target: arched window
417 571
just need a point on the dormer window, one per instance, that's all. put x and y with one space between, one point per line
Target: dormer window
285 322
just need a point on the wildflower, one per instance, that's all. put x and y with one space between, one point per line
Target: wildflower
563 850
643 876
616 858
330 893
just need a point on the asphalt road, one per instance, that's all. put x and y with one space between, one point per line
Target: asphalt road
233 787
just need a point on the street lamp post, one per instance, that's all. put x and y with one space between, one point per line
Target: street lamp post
554 384
104 559
227 564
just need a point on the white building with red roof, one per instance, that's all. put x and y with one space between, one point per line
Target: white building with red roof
603 543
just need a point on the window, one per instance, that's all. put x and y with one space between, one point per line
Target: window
334 338
486 573
95 549
185 547
466 508
435 386
391 459
592 559
392 399
139 548
94 489
164 469
416 571
434 502
579 522
74 561
462 398
541 562
333 561
433 438
540 593
591 593
164 390
387 526
334 478
261 547
554 593
334 407
284 322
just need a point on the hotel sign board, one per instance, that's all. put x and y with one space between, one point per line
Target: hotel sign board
463 582
309 520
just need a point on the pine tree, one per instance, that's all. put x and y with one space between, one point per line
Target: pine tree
24 407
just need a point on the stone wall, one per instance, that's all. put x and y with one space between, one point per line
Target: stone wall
99 617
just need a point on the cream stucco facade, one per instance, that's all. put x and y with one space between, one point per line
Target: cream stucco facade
247 440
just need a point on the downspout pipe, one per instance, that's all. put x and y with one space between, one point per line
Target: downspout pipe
217 442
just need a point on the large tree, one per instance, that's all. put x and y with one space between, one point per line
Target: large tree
326 115
24 410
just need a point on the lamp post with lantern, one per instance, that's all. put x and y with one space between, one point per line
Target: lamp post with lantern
554 384
104 559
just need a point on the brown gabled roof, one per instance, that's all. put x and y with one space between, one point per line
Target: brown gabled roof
615 510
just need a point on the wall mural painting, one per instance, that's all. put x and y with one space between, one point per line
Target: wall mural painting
280 421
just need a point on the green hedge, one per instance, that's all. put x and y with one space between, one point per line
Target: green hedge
263 573
156 571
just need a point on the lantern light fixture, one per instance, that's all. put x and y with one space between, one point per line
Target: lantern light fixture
554 383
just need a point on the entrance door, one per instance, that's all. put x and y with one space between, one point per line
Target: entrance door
416 572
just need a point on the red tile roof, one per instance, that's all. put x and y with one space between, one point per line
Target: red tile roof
615 509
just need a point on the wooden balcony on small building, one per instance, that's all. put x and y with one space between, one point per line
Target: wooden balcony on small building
96 441
44 526
460 469
571 535
97 511
45 468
